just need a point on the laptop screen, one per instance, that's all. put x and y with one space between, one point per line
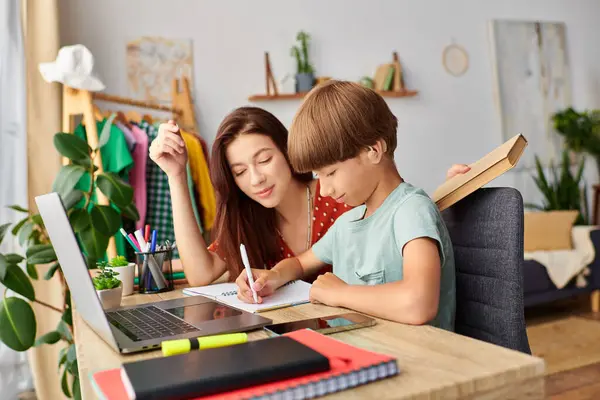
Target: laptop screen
73 265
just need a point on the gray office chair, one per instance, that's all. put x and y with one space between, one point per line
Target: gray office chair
486 229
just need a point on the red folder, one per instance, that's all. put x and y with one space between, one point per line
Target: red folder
350 367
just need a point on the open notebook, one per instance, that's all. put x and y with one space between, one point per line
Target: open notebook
290 294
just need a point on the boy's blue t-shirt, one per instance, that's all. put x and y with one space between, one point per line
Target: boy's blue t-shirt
369 251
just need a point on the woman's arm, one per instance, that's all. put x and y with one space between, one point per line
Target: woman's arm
168 151
201 266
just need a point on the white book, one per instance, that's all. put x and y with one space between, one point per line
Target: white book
290 294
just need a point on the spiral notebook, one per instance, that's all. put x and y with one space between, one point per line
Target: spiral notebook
350 367
290 294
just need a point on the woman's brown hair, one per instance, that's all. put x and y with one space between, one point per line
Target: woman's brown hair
240 219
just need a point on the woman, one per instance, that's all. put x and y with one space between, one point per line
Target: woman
261 202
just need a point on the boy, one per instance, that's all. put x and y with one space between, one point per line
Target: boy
392 256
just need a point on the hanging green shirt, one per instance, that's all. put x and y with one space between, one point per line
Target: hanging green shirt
116 158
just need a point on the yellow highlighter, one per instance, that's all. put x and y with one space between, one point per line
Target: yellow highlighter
181 346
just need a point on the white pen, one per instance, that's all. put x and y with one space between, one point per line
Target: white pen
248 271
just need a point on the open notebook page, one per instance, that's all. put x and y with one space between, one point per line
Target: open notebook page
293 293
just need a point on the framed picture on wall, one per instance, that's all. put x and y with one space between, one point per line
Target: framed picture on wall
532 78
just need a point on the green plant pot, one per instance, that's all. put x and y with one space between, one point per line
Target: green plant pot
304 82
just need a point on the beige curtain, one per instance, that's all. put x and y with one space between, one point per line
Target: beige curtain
41 34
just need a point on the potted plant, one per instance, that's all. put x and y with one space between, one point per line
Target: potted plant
18 271
580 130
305 74
125 271
108 286
564 205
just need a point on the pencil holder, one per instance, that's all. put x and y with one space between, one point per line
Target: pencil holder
155 271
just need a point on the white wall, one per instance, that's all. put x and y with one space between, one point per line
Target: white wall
452 119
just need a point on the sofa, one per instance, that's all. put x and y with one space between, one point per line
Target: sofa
539 289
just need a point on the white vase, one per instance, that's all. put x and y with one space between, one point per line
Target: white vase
110 298
126 276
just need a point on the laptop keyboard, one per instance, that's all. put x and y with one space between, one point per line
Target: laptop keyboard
148 323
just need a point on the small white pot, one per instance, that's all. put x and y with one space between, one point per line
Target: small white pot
126 276
110 298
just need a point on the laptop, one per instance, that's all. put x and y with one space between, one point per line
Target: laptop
142 327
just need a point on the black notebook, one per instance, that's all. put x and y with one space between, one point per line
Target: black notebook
204 372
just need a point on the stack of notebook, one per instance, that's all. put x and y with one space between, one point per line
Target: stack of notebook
300 364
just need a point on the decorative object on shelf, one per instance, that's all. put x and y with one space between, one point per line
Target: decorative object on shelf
388 77
321 79
305 73
455 59
269 76
367 81
391 85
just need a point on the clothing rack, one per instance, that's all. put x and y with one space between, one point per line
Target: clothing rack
81 102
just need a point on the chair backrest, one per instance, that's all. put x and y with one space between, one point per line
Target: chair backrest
486 229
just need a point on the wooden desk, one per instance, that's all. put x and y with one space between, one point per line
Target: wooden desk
433 363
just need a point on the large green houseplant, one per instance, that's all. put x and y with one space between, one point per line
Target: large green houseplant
580 130
93 223
563 190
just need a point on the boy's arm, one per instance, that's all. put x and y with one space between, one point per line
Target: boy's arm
297 267
413 300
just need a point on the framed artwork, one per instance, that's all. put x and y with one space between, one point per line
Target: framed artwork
153 63
532 77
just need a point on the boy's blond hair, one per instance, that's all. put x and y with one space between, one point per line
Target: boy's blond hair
335 122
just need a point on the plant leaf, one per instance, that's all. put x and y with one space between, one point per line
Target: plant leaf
50 273
13 258
32 271
62 356
40 254
72 198
3 266
71 354
37 219
68 316
105 133
3 229
94 242
17 324
16 280
64 383
67 178
131 212
76 386
19 225
115 189
49 338
80 220
19 208
71 146
25 232
64 330
105 219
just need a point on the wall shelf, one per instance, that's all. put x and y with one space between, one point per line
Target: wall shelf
291 96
